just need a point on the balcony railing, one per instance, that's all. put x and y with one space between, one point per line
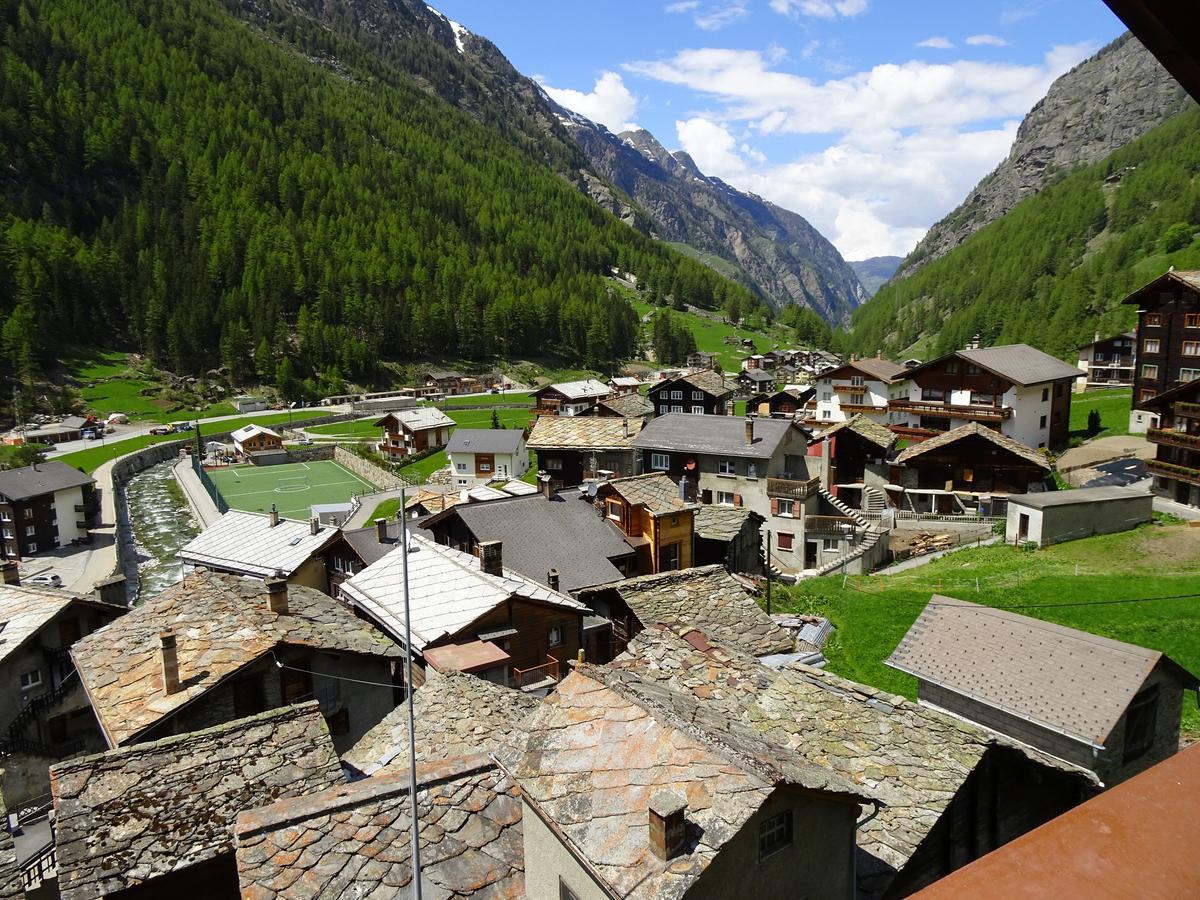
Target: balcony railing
1190 410
535 675
791 489
850 388
1173 438
863 407
953 410
839 524
1170 470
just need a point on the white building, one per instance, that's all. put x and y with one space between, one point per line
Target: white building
865 386
480 455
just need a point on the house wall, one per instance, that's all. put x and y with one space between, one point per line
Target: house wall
547 862
260 442
667 530
566 467
662 396
505 465
312 573
834 407
530 646
1056 524
1171 307
18 517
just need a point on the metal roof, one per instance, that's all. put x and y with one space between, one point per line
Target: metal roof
249 431
43 478
1073 682
245 542
485 440
717 435
419 418
578 390
1080 495
1020 363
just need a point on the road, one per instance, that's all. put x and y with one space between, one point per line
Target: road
1118 473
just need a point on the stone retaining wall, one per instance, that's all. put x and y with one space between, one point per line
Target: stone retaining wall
381 478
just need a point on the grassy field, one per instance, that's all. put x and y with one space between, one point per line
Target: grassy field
1113 407
292 487
423 468
710 337
385 510
508 398
1140 586
125 392
364 429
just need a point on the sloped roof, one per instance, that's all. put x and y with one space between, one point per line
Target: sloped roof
865 428
456 715
539 535
757 375
1077 496
716 435
419 418
583 433
1069 680
607 742
578 390
434 501
245 542
708 598
248 431
1188 279
447 590
654 490
44 478
222 623
974 429
26 609
443 376
355 840
873 367
629 406
485 440
1020 363
722 523
1111 337
127 816
1186 391
712 382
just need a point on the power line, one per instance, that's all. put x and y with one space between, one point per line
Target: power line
283 665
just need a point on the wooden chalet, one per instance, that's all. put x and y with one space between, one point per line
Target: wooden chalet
1168 336
700 393
1176 464
653 517
785 404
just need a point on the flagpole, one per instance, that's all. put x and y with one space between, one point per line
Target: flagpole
412 732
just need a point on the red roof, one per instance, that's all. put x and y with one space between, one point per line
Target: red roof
471 657
1136 840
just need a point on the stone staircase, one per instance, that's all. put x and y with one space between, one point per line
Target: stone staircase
872 537
874 500
842 508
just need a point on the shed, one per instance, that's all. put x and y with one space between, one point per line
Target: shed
246 404
1052 517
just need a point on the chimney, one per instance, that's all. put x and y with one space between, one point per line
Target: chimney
277 595
314 525
625 423
170 663
749 430
552 579
547 485
381 530
274 515
1096 338
12 575
112 590
491 557
667 824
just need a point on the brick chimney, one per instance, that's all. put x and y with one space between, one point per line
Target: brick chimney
274 515
552 579
625 423
314 525
170 663
277 595
381 530
491 557
546 485
10 572
667 824
749 430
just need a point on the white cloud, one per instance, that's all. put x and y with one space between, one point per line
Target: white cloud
610 103
937 43
821 9
986 40
681 7
717 16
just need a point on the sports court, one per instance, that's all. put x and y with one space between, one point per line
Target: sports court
292 487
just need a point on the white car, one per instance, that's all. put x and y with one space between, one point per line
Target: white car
46 579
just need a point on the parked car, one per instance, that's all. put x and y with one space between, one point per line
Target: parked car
46 579
90 435
305 441
161 429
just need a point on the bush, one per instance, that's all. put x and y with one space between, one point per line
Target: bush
1177 237
1093 423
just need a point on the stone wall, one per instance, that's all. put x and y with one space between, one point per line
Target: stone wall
379 477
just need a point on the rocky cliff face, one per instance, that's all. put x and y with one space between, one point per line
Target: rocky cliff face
1099 106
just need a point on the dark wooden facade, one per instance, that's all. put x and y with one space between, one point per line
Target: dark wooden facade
678 395
1168 334
30 525
1176 464
780 404
971 464
571 467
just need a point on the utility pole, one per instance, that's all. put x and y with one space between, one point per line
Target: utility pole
415 827
768 573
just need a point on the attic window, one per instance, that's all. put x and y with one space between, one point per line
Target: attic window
293 542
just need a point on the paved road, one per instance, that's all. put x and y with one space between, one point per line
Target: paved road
1118 473
1106 449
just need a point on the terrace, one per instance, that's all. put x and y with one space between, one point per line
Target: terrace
792 489
1170 470
1173 438
968 412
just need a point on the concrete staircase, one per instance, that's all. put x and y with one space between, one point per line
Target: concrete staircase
842 508
872 537
874 500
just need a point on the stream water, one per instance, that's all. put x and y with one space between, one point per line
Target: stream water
162 524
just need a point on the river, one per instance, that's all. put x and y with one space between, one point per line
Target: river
162 524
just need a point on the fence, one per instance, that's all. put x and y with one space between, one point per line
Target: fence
213 493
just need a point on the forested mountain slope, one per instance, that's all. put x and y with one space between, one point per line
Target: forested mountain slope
270 196
1101 105
1054 269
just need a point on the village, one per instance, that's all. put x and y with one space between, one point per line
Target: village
616 689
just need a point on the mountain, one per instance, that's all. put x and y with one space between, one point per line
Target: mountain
1053 270
874 272
1102 104
279 188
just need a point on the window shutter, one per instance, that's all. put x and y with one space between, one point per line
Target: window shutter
737 499
774 507
796 509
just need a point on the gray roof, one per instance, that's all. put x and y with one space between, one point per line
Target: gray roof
873 367
716 522
128 816
367 545
248 544
1019 363
539 535
1044 499
44 478
757 375
973 429
717 435
485 440
1071 681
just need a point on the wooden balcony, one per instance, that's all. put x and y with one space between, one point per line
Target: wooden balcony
850 388
536 676
1172 438
1188 410
862 407
912 435
830 524
953 410
791 489
1170 470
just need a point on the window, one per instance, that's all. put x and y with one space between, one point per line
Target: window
1045 394
725 498
5 516
1139 723
727 467
978 399
564 892
774 833
935 394
31 547
1058 389
952 367
972 369
1191 320
1189 374
663 410
554 637
1042 422
553 464
826 396
1191 348
830 544
1150 345
485 467
1150 371
660 462
697 395
462 467
613 509
826 414
1153 319
29 512
752 471
677 409
856 380
697 410
1099 357
784 540
1147 394
31 679
669 559
8 532
676 395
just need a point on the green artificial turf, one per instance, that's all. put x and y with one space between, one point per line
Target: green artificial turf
292 487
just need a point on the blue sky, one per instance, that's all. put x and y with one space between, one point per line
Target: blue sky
871 118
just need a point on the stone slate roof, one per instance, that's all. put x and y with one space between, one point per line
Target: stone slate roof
1020 363
583 433
577 390
912 758
25 610
355 840
873 368
713 435
485 440
865 428
654 490
1012 445
222 623
247 543
722 523
127 816
709 381
606 741
456 715
1072 681
539 535
44 478
708 598
419 418
630 406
